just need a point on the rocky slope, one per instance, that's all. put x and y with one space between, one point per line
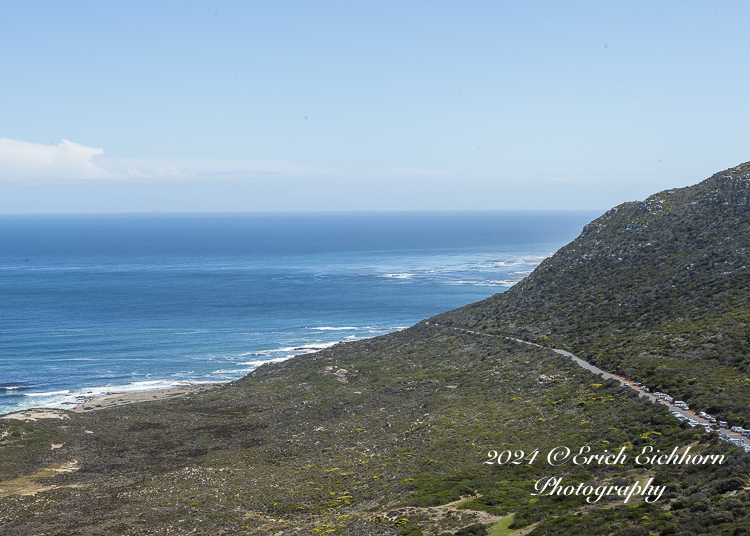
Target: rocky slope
657 290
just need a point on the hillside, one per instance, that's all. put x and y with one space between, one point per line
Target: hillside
657 290
363 438
390 435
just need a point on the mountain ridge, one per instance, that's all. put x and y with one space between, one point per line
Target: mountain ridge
657 290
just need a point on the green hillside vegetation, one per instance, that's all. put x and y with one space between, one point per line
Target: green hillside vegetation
658 291
293 447
390 435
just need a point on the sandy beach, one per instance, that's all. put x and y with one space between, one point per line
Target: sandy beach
108 400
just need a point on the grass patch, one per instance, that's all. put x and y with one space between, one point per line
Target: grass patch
501 527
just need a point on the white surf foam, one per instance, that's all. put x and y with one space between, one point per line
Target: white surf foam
292 350
69 398
328 328
504 283
260 362
51 393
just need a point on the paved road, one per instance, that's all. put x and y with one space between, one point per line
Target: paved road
606 375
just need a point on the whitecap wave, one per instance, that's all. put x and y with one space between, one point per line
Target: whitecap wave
148 385
67 398
260 362
329 328
232 371
504 283
532 260
292 350
488 283
51 393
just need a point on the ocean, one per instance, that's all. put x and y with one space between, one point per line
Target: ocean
91 304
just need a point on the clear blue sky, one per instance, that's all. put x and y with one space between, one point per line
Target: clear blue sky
323 105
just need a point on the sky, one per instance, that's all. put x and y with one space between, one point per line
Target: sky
369 105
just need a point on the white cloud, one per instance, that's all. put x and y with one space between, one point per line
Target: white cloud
23 161
211 169
170 171
136 174
204 184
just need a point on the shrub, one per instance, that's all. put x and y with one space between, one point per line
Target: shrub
472 530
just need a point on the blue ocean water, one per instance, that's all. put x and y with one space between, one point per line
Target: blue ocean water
99 303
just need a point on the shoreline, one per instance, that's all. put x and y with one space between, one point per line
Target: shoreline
110 400
87 401
91 402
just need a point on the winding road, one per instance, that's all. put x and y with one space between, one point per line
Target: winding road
606 375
